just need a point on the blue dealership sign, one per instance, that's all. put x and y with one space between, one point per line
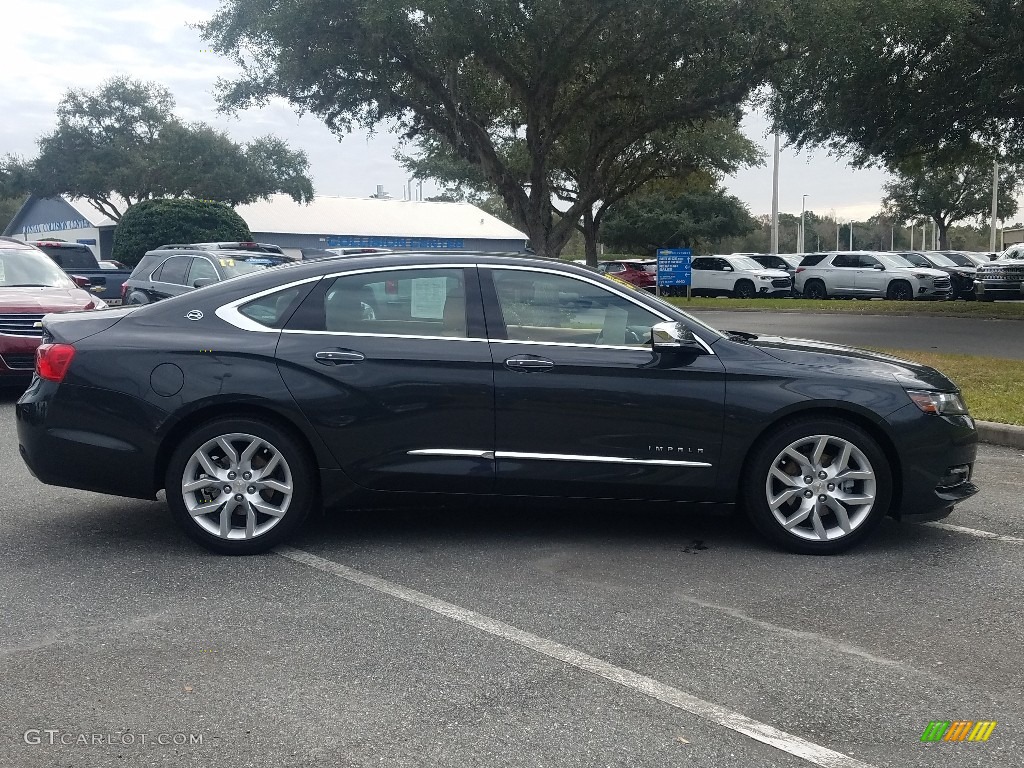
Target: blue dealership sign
674 266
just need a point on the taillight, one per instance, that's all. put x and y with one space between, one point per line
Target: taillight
124 291
52 361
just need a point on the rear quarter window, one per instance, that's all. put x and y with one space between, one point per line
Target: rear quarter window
811 261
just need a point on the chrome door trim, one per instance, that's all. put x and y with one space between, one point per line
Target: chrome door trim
598 459
492 455
452 452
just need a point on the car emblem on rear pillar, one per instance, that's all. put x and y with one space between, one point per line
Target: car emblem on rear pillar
194 314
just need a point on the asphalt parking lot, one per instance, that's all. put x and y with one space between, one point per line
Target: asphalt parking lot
511 635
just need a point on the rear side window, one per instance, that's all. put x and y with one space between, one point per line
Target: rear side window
173 270
269 310
812 261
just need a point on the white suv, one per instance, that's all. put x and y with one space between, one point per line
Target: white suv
867 274
738 276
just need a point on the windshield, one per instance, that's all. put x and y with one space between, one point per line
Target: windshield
22 267
958 259
233 266
941 260
743 262
1014 255
894 261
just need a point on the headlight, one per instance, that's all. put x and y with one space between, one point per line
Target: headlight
941 403
763 277
919 275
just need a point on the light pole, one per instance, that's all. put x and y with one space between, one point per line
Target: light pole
775 199
851 234
803 208
995 205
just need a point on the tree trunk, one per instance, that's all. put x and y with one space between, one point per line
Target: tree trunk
590 237
943 234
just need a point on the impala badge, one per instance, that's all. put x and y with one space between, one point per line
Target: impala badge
194 314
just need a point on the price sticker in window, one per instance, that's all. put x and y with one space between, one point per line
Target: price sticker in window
226 262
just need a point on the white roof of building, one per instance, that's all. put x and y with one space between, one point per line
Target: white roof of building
92 214
362 216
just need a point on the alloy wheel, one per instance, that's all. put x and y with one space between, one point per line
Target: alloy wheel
821 488
237 486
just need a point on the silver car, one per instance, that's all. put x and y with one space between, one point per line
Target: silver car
867 274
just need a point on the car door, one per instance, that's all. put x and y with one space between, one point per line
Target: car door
871 279
392 368
169 278
583 406
841 274
700 275
721 275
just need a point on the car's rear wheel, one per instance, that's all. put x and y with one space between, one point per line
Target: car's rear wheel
239 486
900 290
744 289
815 289
817 486
137 297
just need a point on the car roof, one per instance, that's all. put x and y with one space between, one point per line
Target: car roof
12 244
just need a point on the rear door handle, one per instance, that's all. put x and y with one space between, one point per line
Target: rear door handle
336 356
528 364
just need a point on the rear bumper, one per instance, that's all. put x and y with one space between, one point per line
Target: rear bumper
79 452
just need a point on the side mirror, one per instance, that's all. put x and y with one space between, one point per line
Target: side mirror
672 337
879 267
202 282
80 281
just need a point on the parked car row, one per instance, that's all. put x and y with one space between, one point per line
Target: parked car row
895 275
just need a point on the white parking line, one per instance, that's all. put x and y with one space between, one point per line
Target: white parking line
976 533
723 716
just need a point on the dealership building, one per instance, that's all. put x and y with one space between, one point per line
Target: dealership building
326 222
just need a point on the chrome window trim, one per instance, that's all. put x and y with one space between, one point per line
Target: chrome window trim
229 312
603 286
494 455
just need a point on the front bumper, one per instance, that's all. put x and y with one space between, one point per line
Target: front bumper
927 448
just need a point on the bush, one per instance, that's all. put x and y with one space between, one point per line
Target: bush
152 223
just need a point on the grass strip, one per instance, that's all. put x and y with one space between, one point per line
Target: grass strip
991 386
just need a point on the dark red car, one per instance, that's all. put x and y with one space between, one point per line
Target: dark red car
31 286
633 272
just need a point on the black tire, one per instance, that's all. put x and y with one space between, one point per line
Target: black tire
295 464
815 289
758 481
900 290
744 289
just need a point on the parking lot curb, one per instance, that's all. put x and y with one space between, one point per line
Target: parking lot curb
1007 435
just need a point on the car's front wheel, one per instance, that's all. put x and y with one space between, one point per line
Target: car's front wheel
744 289
900 290
239 486
817 486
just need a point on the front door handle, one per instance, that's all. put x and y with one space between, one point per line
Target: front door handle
336 356
528 364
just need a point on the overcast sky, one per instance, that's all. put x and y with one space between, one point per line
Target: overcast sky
54 45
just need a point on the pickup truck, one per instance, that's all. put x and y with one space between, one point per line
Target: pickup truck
78 261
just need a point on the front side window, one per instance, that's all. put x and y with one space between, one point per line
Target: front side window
414 302
202 269
539 306
868 262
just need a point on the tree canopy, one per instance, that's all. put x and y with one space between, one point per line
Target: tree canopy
152 223
884 80
949 189
584 80
122 142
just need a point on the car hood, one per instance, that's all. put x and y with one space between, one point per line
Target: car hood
852 361
43 300
930 271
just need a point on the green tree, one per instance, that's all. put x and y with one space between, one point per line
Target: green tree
592 79
716 147
890 79
9 207
123 142
694 218
948 189
152 223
